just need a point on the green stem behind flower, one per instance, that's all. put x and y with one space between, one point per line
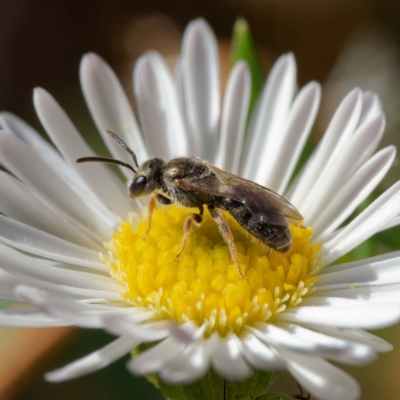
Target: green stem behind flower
243 48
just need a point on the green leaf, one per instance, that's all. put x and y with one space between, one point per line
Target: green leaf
388 240
243 48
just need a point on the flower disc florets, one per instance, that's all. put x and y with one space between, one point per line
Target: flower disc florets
204 286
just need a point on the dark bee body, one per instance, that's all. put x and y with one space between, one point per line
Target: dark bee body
275 236
179 169
195 183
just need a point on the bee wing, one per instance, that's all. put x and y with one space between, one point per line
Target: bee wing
263 203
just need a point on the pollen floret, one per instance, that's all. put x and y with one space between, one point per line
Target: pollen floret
204 285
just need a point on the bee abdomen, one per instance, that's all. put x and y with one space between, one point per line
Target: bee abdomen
276 236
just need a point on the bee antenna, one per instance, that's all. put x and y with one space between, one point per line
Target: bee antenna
118 140
105 160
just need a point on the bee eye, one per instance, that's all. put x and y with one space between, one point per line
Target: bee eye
138 186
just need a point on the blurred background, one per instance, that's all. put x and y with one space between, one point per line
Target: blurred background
340 43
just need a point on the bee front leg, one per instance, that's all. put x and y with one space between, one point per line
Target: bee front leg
152 205
187 227
226 233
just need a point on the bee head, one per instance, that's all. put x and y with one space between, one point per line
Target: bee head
146 179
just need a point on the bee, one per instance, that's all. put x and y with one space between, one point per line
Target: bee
195 183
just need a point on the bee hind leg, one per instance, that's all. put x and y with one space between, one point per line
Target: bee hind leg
187 227
152 206
226 233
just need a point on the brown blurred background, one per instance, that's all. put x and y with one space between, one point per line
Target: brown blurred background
341 43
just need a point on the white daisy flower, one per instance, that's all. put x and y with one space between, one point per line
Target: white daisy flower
292 311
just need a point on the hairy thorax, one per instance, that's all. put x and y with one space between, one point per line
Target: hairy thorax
179 168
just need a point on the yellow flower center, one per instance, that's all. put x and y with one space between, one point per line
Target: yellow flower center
204 285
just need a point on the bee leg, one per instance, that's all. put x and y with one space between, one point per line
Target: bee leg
187 227
226 233
152 205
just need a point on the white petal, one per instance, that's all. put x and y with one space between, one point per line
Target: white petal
369 272
373 293
361 355
276 336
343 166
201 83
21 204
181 98
158 107
84 293
110 109
394 222
94 361
77 313
234 118
370 107
26 238
187 333
28 317
37 175
132 325
252 123
353 193
379 125
51 157
47 152
339 131
370 316
381 261
325 301
154 359
101 273
259 354
379 213
272 115
191 364
8 283
297 338
374 280
70 143
332 347
354 335
301 118
320 378
20 265
227 358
